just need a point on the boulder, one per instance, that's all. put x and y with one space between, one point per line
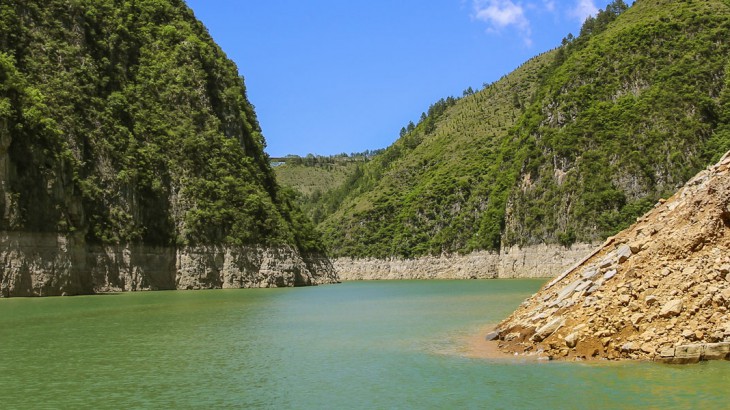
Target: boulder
671 308
583 286
716 351
624 252
638 246
567 291
667 353
571 340
590 273
548 329
491 336
688 354
646 348
629 347
636 318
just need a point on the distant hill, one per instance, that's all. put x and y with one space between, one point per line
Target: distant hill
313 179
570 147
316 179
318 173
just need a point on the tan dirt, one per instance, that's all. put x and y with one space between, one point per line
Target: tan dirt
660 284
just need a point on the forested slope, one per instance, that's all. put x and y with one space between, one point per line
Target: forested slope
572 146
122 123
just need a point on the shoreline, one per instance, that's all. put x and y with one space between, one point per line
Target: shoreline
474 346
535 261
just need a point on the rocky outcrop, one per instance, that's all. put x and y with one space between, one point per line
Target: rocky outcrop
539 261
659 290
249 267
48 265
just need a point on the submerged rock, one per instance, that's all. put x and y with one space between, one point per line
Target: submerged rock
491 336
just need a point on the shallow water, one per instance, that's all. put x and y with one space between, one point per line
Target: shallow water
354 345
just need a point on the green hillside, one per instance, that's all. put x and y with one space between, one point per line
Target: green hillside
123 122
572 146
315 178
311 179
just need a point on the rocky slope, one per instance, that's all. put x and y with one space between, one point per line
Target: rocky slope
660 290
131 158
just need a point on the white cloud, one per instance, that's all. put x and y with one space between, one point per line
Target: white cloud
583 9
500 14
549 5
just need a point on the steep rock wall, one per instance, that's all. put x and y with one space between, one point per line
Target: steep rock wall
539 261
50 265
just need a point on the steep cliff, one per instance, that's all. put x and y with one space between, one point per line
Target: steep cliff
130 158
659 290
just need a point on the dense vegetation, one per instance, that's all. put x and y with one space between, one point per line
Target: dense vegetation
572 146
633 111
123 122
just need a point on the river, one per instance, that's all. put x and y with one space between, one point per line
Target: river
359 345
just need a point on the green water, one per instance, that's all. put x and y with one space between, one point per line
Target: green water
382 345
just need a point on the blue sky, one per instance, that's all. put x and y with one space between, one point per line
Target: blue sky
332 76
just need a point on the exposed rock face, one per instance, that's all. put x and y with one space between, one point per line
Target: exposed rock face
48 265
659 290
250 267
539 261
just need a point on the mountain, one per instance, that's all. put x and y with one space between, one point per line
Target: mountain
570 147
656 291
131 158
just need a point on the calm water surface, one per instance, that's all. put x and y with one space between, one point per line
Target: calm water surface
381 345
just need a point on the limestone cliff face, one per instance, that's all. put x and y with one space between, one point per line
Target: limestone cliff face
250 267
52 265
539 261
658 290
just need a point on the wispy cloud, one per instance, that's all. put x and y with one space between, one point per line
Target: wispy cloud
501 14
583 9
522 17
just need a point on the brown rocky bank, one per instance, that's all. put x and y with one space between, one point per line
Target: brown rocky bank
659 290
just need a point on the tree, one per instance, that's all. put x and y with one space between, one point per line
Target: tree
568 39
